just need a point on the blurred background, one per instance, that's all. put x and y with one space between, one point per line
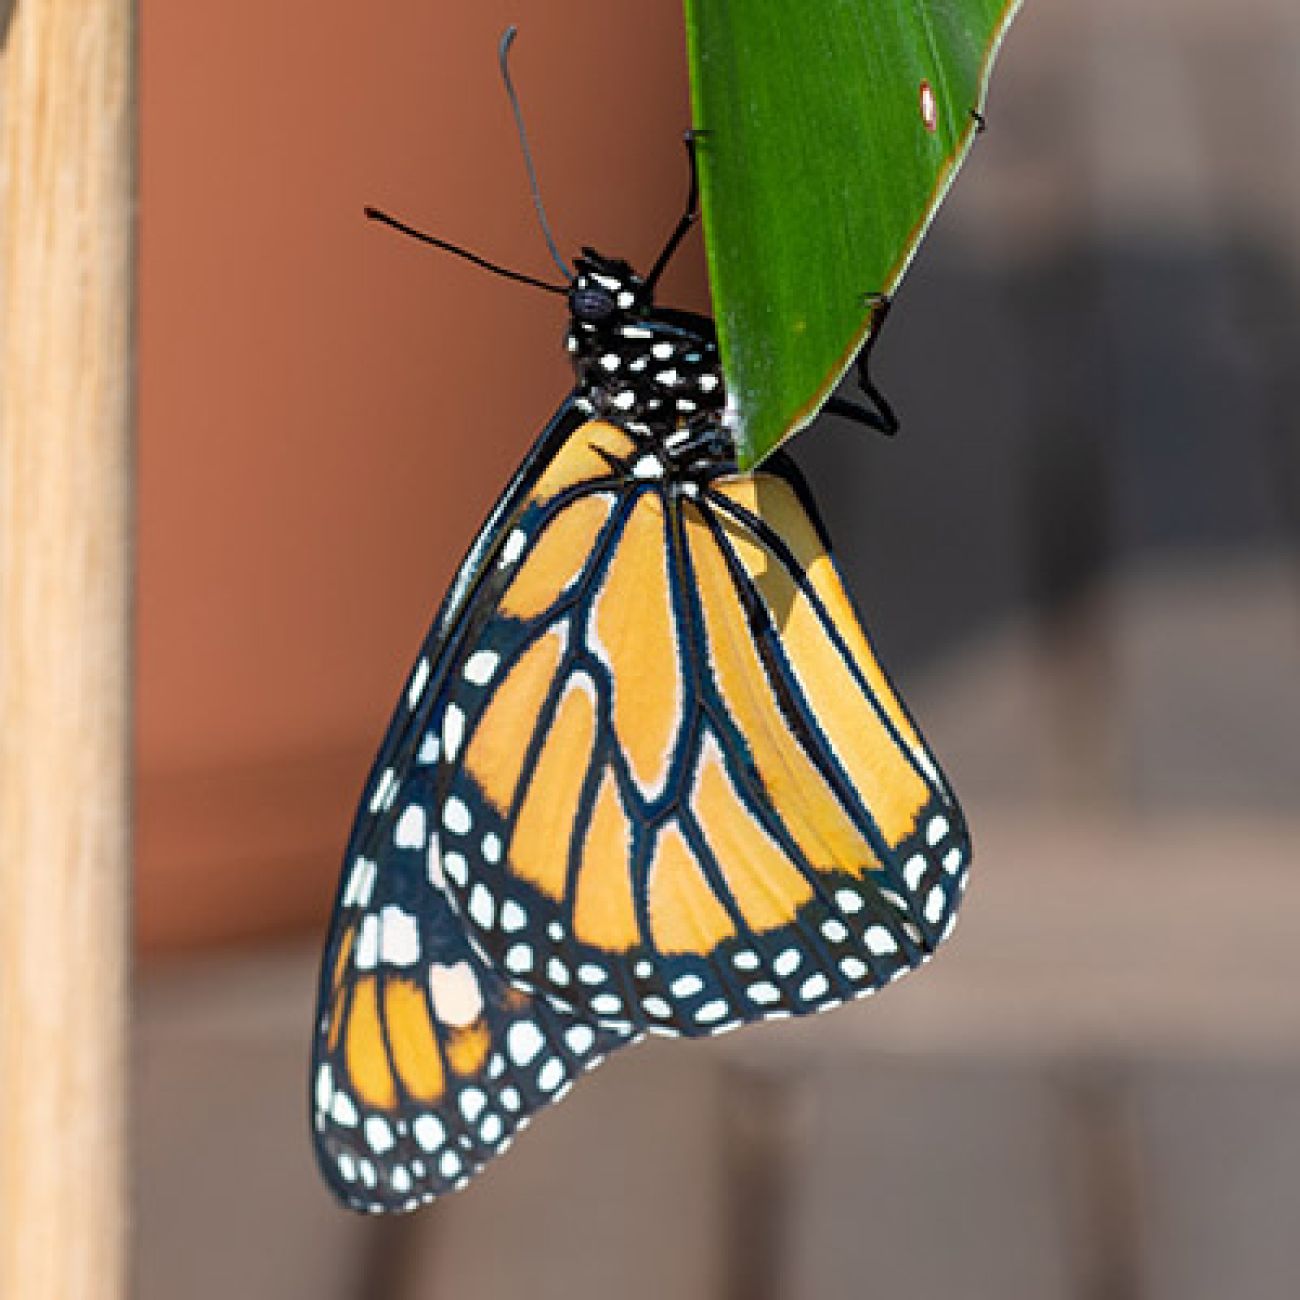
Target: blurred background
1081 562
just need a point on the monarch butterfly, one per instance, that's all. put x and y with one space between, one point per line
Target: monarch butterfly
645 776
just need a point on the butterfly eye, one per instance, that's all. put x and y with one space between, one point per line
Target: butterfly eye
591 302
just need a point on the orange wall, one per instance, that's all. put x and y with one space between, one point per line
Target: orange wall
326 409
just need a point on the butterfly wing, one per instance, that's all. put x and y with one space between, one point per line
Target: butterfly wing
677 791
424 1062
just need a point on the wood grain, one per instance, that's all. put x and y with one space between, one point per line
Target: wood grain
66 117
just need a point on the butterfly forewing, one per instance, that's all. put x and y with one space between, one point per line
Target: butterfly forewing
677 791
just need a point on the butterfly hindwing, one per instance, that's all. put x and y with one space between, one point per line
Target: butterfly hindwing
678 793
425 1062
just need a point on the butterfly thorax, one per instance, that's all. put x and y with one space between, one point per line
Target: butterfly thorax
651 371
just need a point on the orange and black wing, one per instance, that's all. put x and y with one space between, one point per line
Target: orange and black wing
425 1063
676 791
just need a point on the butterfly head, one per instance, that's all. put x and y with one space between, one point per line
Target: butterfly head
605 294
650 370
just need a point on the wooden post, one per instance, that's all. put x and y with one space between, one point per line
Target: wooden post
66 172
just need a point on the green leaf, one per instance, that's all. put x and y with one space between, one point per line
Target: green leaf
831 130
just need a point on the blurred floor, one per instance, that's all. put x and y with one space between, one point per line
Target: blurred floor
1050 1111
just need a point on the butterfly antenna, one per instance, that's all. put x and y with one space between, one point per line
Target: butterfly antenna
507 40
375 214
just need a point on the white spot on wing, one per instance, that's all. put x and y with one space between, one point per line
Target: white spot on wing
411 828
880 941
367 950
379 1135
456 816
934 904
514 547
480 666
429 1132
914 871
788 962
324 1088
361 883
419 680
385 788
551 1075
399 937
457 998
928 769
453 731
580 1039
482 906
849 901
473 1101
523 1041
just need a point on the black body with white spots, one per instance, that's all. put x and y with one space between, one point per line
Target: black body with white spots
651 371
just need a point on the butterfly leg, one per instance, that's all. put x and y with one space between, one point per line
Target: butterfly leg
879 415
689 216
